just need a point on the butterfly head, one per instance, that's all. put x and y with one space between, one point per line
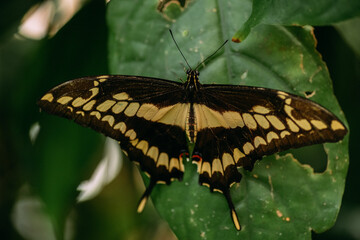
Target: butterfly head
193 73
192 80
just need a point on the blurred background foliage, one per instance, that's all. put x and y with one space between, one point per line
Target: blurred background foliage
38 198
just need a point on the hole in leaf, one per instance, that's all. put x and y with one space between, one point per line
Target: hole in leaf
171 9
313 155
163 4
309 94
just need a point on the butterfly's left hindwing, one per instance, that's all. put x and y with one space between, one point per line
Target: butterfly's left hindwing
141 113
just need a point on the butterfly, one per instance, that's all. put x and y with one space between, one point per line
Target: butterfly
229 126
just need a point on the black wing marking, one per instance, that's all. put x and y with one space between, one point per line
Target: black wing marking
238 125
143 114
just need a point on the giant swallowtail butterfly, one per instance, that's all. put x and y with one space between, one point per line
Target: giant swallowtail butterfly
230 126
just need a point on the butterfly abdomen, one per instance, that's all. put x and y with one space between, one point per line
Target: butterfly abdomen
190 125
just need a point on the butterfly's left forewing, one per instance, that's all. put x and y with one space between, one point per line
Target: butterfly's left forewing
145 115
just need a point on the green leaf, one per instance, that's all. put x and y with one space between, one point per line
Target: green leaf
346 29
304 12
280 198
58 164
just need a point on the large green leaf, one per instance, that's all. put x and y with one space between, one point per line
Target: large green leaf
351 37
298 12
280 198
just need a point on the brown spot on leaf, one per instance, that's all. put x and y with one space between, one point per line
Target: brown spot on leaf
237 40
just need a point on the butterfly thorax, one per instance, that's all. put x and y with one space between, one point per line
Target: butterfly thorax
192 83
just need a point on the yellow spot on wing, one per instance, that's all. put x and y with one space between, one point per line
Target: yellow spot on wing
303 123
48 97
206 184
143 146
121 126
119 107
153 153
163 160
218 190
270 136
64 100
234 119
81 101
147 111
206 168
259 141
81 113
238 154
318 124
293 127
121 96
248 147
261 109
216 166
96 114
249 121
102 76
89 105
132 109
336 125
227 160
275 122
174 163
281 96
282 93
261 120
131 134
284 134
134 142
103 107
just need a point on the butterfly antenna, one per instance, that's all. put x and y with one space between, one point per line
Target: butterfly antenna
222 45
179 48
